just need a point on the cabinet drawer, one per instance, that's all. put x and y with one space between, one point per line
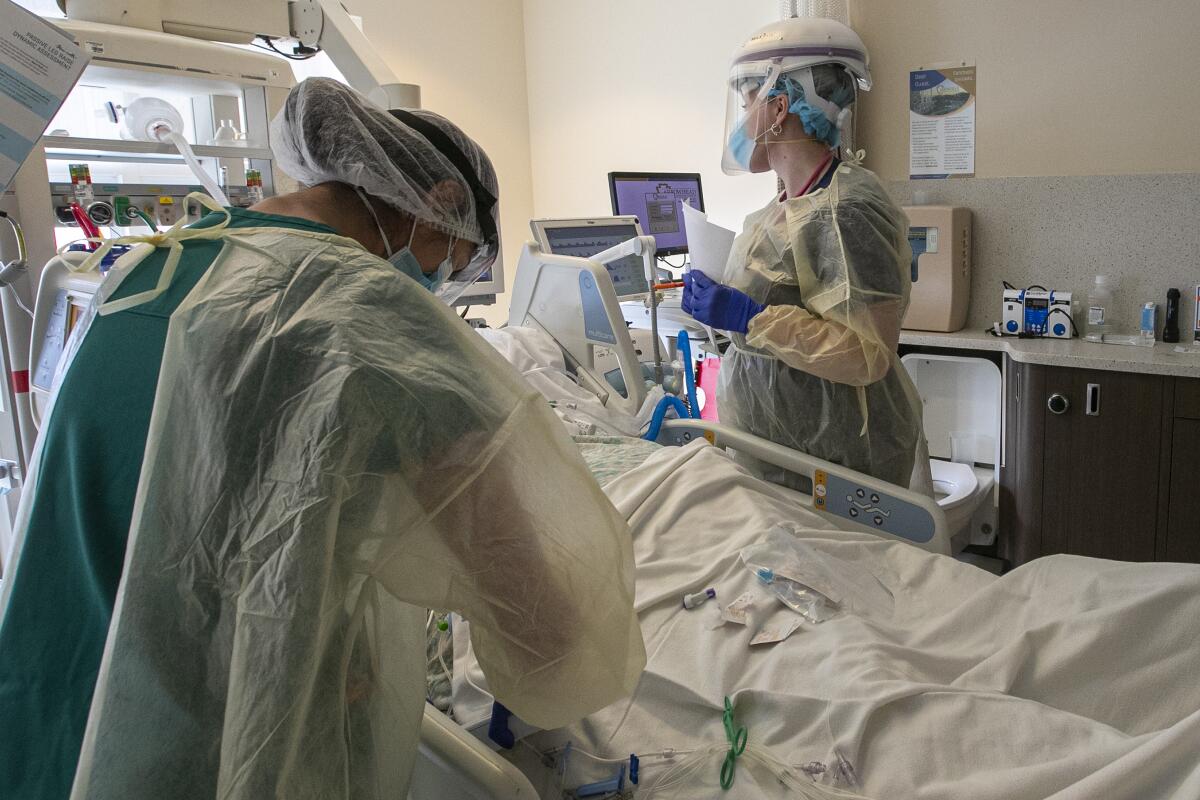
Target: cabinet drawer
1187 398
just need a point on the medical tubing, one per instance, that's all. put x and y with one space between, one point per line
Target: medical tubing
185 150
658 368
804 787
689 373
660 411
144 217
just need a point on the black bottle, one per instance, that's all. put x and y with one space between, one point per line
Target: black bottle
1171 326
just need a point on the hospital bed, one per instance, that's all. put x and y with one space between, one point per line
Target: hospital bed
1067 678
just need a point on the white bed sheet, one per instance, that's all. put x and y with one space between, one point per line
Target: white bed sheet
1067 678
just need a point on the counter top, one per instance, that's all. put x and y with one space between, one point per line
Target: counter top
1079 353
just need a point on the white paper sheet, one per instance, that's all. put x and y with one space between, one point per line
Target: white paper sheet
708 243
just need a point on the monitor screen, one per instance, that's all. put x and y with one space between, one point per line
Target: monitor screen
655 198
628 274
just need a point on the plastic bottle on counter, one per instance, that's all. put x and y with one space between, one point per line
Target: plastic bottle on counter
1099 309
1149 322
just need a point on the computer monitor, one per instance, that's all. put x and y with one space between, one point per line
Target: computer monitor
655 198
586 237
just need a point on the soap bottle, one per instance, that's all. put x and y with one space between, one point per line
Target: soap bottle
1099 309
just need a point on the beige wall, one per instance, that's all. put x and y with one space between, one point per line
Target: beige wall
634 85
1066 87
469 58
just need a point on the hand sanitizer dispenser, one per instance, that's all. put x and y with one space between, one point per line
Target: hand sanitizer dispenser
940 237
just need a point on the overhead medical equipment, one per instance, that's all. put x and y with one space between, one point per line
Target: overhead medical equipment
656 199
1037 311
151 85
940 238
126 153
312 26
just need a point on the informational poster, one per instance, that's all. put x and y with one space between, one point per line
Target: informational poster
39 65
941 108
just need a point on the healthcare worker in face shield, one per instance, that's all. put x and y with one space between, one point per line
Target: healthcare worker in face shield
818 282
269 452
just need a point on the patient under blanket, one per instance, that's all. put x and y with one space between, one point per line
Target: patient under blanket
1066 678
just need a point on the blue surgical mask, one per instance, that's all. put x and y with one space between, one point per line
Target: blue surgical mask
407 263
404 260
741 147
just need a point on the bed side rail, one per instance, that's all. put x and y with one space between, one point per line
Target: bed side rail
848 497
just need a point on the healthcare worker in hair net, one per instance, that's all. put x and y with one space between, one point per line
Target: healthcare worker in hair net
328 451
818 282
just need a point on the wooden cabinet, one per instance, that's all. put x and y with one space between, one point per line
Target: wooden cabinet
1099 464
1181 501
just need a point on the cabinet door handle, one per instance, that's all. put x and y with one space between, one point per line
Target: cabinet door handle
1058 404
1093 400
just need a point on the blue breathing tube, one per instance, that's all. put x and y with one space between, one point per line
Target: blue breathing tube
660 411
670 401
689 374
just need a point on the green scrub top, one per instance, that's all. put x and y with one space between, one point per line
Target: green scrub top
53 632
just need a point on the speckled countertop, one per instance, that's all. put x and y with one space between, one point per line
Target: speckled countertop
1158 360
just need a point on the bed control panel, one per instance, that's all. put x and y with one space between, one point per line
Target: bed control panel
871 508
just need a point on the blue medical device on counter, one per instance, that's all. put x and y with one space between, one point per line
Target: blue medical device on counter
1037 312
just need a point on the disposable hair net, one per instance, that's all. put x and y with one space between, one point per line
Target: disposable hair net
331 452
818 95
326 131
818 370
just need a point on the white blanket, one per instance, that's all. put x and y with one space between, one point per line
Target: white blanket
1067 678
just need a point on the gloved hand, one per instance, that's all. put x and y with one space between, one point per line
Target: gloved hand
717 305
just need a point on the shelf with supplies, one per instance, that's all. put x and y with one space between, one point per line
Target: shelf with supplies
1161 359
81 149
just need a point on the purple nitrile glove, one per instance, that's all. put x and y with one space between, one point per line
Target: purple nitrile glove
717 305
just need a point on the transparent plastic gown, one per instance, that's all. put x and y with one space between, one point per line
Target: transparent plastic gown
818 370
330 453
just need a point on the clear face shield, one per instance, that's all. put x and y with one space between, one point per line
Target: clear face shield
478 266
746 120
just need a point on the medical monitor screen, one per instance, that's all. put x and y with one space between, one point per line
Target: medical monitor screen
656 199
628 274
